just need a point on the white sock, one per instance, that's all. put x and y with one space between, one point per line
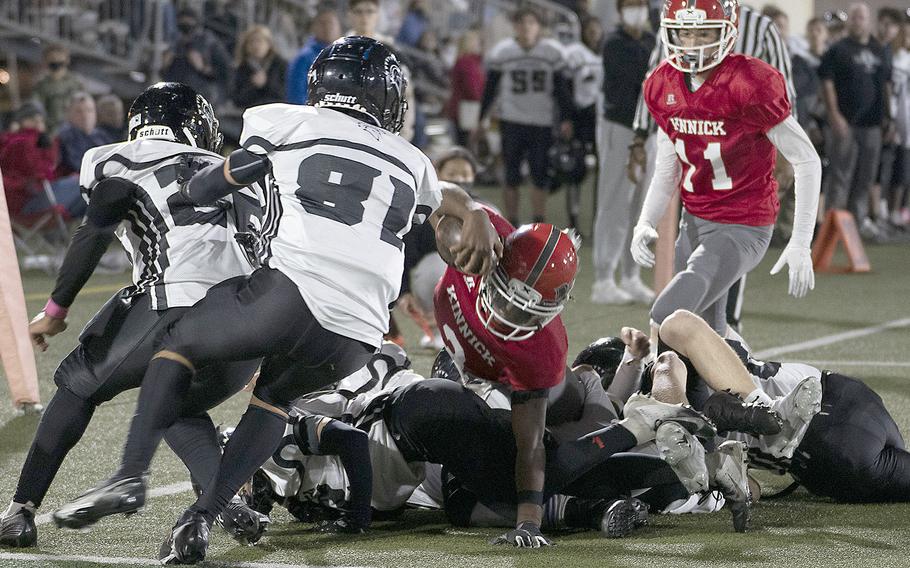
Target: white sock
758 395
15 507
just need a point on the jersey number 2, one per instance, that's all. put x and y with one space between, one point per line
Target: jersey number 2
720 182
336 188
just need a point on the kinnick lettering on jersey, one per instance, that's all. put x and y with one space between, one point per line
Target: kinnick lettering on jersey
698 127
466 331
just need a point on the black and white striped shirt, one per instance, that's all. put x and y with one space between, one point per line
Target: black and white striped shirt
757 37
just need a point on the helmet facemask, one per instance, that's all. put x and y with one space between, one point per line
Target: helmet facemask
512 310
699 58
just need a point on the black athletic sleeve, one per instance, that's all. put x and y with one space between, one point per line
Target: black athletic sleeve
109 204
562 90
352 447
490 90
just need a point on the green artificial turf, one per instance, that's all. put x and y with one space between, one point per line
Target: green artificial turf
800 530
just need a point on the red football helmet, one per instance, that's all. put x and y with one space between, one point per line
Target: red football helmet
531 284
679 15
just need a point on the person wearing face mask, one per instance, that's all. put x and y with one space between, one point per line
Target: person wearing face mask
260 74
197 59
55 88
625 62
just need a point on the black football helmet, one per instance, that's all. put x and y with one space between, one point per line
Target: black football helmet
604 355
362 75
444 367
567 162
174 111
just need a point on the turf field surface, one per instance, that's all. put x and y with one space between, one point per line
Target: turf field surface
860 325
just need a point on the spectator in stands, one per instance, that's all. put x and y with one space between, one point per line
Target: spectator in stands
889 25
810 110
855 72
27 159
364 18
219 17
260 72
430 79
325 29
585 65
527 74
414 25
899 188
79 133
197 58
111 117
467 81
625 62
57 85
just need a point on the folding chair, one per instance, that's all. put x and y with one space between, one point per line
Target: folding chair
41 237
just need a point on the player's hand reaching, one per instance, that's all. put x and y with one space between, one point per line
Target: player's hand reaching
637 341
479 249
799 260
43 325
525 535
642 236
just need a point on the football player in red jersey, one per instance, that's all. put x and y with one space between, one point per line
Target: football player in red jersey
505 328
720 117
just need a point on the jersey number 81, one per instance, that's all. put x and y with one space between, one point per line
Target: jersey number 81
336 188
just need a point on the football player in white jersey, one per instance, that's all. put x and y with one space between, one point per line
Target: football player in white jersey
179 251
838 439
348 188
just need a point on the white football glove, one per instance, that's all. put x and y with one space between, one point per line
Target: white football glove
799 260
642 236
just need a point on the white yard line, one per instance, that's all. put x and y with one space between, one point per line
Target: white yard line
835 364
830 339
172 489
128 561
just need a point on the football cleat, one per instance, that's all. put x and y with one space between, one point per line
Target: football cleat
339 526
730 414
261 498
728 467
641 512
18 530
188 541
619 519
684 453
796 409
126 496
244 524
643 414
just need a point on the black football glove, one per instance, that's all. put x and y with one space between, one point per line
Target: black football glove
525 535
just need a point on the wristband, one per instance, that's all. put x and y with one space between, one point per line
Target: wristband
531 497
54 310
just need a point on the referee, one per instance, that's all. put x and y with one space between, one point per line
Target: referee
757 37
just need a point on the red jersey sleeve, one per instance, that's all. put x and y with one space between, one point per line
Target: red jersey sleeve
763 93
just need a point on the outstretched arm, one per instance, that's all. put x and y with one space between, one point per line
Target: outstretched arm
794 145
109 204
213 182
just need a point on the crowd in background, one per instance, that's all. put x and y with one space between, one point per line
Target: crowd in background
851 74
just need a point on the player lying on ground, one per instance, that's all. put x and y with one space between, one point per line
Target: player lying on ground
838 440
395 420
348 189
178 251
722 118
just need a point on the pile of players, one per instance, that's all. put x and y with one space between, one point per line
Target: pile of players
285 256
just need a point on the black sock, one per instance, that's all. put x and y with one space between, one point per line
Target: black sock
164 383
65 420
195 442
253 442
585 513
574 459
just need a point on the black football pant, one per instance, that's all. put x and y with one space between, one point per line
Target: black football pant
439 421
853 450
112 355
261 315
